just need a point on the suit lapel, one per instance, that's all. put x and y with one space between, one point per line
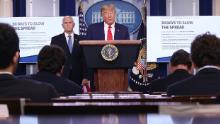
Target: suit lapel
75 43
102 33
116 37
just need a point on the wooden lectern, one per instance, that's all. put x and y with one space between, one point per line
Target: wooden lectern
110 75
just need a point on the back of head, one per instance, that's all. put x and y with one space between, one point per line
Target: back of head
181 57
205 50
9 45
51 59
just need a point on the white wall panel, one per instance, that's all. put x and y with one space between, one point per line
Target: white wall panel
182 7
6 8
216 7
42 8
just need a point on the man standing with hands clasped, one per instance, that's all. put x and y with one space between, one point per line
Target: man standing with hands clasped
74 67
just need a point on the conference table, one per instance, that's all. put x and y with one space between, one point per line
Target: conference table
117 108
134 97
120 118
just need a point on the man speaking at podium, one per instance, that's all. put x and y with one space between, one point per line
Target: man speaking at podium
109 29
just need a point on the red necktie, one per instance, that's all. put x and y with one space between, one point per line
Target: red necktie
109 35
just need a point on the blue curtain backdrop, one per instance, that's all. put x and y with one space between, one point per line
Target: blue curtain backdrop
19 8
205 7
158 7
67 7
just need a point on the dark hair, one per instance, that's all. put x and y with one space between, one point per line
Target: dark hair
51 59
205 50
181 57
9 44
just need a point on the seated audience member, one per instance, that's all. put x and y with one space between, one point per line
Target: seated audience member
51 61
205 54
180 67
10 87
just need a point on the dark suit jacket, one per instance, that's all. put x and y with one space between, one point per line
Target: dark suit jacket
11 87
63 86
74 68
160 85
205 82
96 32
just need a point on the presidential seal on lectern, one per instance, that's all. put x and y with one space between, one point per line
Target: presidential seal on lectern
109 52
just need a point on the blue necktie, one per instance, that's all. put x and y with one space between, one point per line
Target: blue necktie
70 45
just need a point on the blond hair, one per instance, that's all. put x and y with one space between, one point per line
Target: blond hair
108 7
